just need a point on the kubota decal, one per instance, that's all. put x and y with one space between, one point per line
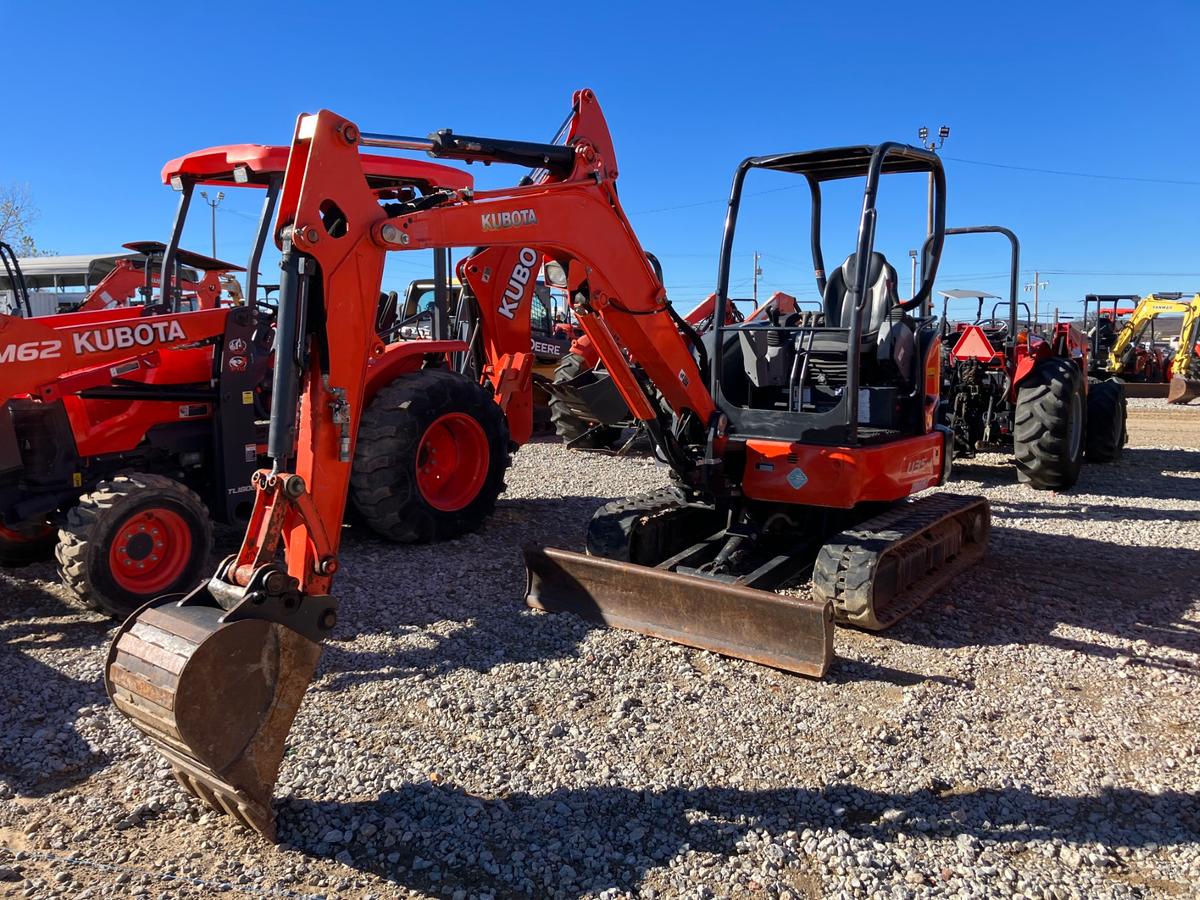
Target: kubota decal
30 350
518 281
514 219
99 340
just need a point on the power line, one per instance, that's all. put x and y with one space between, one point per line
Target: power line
1063 172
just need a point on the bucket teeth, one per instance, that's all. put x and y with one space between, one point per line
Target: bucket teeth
216 699
883 569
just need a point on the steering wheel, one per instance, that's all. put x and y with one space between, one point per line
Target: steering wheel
1000 325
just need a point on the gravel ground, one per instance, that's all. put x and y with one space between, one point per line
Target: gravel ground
1032 732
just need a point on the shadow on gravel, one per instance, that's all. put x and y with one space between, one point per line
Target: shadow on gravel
1032 583
486 602
572 842
1140 473
40 751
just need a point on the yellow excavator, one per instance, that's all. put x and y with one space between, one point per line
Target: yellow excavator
1118 357
1185 367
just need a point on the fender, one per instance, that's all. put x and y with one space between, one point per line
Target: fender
403 358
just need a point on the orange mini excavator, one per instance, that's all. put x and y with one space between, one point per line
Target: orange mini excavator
796 439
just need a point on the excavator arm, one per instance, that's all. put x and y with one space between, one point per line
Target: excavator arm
253 631
1147 310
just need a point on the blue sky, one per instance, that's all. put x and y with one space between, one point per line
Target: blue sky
689 89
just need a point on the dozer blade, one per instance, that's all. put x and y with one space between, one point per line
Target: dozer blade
881 570
217 699
1183 389
789 633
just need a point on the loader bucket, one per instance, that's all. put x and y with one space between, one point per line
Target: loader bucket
216 698
791 633
1183 389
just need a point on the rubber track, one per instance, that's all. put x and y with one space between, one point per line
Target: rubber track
937 537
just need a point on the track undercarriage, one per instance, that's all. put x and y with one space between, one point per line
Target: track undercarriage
666 565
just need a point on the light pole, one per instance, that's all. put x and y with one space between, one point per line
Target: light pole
912 255
1036 286
933 146
757 275
213 204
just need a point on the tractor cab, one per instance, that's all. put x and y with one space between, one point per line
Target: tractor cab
852 372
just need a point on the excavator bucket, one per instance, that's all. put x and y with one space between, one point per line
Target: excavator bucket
1183 389
791 633
216 698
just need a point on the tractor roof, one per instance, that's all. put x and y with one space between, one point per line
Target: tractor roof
184 257
848 162
957 294
216 166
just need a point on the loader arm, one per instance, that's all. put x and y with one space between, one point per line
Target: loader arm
121 285
37 353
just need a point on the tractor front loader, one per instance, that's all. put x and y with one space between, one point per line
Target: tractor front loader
788 439
119 463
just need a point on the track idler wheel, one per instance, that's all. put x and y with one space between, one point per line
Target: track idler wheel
1183 389
217 699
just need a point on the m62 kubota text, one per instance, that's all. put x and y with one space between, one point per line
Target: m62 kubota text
788 435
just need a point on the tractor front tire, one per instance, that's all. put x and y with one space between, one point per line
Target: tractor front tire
568 426
27 543
132 539
430 460
1106 415
1050 424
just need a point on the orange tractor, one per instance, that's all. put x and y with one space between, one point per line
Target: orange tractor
796 439
126 431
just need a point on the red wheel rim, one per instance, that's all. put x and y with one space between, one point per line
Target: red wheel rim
452 462
150 551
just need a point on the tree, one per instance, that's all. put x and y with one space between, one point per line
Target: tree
17 215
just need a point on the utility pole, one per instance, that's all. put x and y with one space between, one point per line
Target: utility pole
1036 286
757 275
912 255
213 204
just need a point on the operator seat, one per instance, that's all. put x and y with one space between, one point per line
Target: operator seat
886 331
881 295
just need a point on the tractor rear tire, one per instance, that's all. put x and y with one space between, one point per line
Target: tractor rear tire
1106 415
1050 424
132 539
570 427
26 544
432 451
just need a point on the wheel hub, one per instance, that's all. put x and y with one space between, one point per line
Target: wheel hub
452 462
150 550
